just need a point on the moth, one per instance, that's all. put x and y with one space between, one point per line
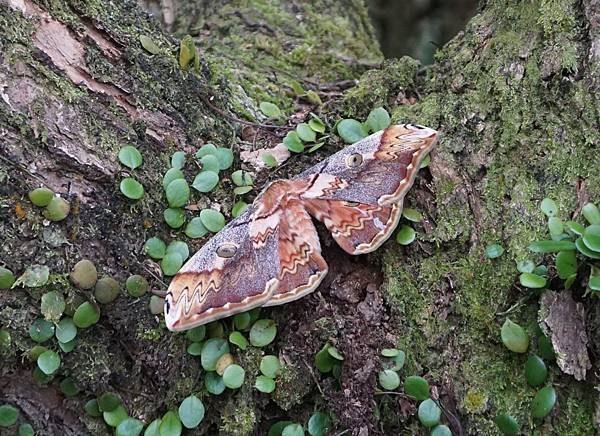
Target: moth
271 254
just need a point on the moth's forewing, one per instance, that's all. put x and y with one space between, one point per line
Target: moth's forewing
215 284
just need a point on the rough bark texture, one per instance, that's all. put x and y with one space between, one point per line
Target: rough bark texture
514 96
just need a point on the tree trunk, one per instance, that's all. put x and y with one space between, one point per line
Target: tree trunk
514 97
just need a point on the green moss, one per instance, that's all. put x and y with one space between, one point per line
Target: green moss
237 419
293 384
475 401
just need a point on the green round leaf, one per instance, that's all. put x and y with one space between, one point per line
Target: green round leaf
591 213
136 285
416 387
214 383
270 110
178 193
277 428
507 425
351 131
264 384
566 264
196 334
551 246
67 347
389 379
205 150
241 190
106 290
171 175
178 160
155 248
525 266
108 401
195 228
130 157
549 207
583 249
86 315
84 274
390 352
92 409
215 329
398 361
131 188
241 178
66 330
316 124
41 330
319 424
316 146
129 427
543 402
405 235
206 181
26 430
225 157
238 339
53 305
293 430
425 162
35 276
171 263
8 415
238 209
269 160
234 376
5 340
412 215
149 45
378 119
545 348
48 362
242 321
210 162
7 278
40 377
514 337
293 142
68 387
429 413
41 196
535 371
334 353
305 132
57 209
270 366
195 349
594 283
191 412
212 350
263 332
591 237
115 417
324 361
574 227
213 220
174 217
555 225
441 430
530 280
35 352
493 251
179 247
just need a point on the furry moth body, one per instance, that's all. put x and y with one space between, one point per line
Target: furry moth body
271 253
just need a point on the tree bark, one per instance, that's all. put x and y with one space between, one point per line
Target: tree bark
514 97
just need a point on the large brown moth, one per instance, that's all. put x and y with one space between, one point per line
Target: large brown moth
271 253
